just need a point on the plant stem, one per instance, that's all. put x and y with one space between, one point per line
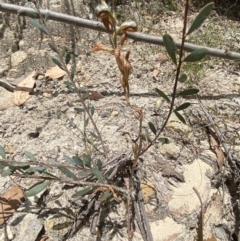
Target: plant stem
72 81
180 61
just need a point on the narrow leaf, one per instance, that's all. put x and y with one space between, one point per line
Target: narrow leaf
47 16
99 164
69 86
183 106
53 161
73 70
37 188
147 135
77 161
67 172
182 78
86 122
92 110
82 192
70 160
52 47
152 127
86 95
98 174
2 152
79 110
180 117
86 160
105 196
161 94
67 58
29 155
58 63
189 92
31 14
204 13
7 172
170 47
196 55
40 169
93 135
36 24
164 140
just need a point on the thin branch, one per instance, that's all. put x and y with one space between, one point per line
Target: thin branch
180 61
200 226
85 23
68 180
217 131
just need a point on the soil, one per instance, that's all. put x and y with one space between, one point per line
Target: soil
48 125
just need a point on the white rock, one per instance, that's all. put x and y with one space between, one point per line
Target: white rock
18 57
170 150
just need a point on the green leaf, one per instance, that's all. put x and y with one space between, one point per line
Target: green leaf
183 106
37 188
86 160
30 171
2 152
47 16
57 62
67 172
86 122
38 25
82 193
64 51
170 47
1 166
196 55
98 175
147 135
204 13
52 47
69 86
67 58
152 127
107 194
93 135
86 95
79 110
7 172
164 140
99 164
182 78
53 161
189 92
77 161
29 155
32 15
92 110
73 70
70 160
40 169
180 117
161 94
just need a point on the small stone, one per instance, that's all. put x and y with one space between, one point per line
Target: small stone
105 114
114 113
47 95
29 227
170 150
6 99
17 58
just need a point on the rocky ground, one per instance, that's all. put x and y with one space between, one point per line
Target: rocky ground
48 126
